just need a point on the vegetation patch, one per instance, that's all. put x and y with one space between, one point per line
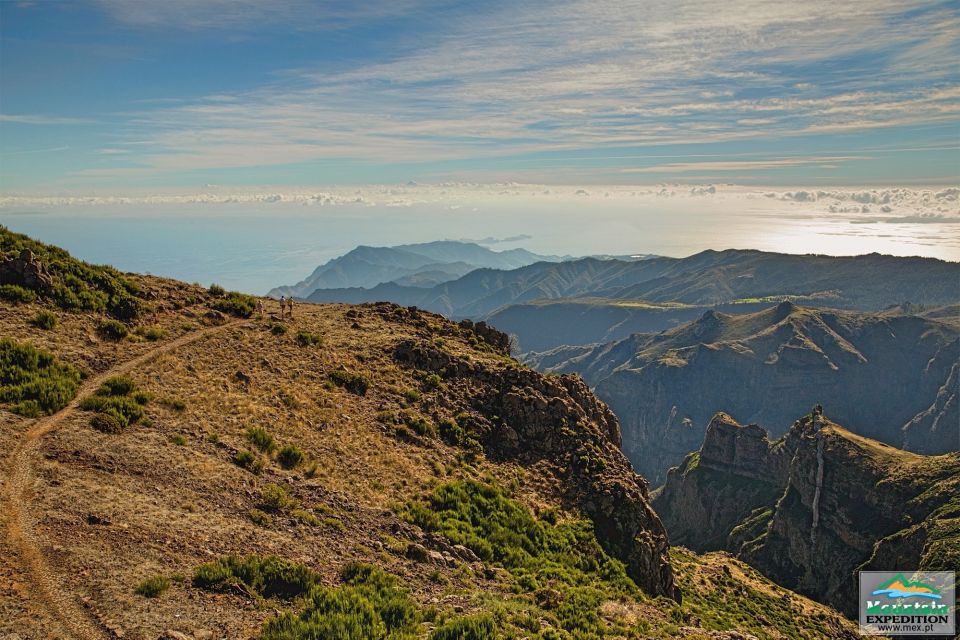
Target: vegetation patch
236 304
370 605
290 456
119 399
257 576
113 330
33 381
249 461
78 285
45 320
560 564
16 294
308 339
353 382
261 439
153 587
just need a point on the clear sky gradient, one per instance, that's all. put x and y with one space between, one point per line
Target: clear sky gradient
117 95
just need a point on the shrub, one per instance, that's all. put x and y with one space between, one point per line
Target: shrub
307 339
278 329
274 498
370 604
106 423
260 517
290 456
216 290
432 382
113 330
125 409
236 304
116 386
44 320
353 382
33 381
153 334
479 627
17 294
411 395
174 404
178 440
153 587
249 461
264 576
261 439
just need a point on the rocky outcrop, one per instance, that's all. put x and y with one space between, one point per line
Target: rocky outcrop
876 373
26 270
830 504
736 471
937 428
555 422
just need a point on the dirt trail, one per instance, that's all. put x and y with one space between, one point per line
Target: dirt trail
66 617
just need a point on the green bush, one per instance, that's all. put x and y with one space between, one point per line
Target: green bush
502 531
264 576
106 423
216 290
260 517
112 329
261 439
249 461
78 285
46 320
153 334
353 382
236 304
33 381
369 605
153 587
290 456
278 329
479 627
116 386
411 395
432 382
125 409
274 498
17 294
307 339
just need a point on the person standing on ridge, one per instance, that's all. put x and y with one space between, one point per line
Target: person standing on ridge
260 307
290 307
283 306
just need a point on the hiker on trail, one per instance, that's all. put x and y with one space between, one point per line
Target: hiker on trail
260 307
283 306
290 307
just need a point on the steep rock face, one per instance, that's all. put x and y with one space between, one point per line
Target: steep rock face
935 429
737 471
25 270
831 502
557 423
876 373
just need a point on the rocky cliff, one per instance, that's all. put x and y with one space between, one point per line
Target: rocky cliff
813 508
876 373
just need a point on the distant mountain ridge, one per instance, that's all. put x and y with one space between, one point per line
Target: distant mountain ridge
868 282
888 378
412 265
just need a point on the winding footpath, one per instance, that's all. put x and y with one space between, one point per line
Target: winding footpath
67 618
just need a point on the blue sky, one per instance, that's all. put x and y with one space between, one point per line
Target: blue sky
113 96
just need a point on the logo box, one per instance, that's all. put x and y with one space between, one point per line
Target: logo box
908 603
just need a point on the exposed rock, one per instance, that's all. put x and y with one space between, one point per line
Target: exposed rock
557 420
26 270
833 503
937 428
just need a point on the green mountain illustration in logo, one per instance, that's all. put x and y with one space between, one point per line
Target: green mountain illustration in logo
900 587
